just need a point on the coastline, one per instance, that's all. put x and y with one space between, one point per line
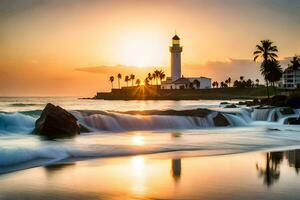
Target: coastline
155 93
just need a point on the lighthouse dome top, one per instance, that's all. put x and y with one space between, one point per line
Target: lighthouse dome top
175 37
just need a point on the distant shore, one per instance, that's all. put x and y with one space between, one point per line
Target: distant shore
155 93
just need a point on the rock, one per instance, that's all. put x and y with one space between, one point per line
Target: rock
286 111
278 101
200 112
224 103
265 101
292 120
293 102
230 106
220 120
55 122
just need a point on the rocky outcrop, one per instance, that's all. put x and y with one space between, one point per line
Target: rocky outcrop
230 106
197 112
286 111
292 120
293 102
55 122
220 120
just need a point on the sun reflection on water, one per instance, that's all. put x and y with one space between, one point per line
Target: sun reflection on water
138 178
138 140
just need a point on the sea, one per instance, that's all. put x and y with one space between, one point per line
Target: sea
116 134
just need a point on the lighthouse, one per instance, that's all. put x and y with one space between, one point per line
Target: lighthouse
176 81
175 51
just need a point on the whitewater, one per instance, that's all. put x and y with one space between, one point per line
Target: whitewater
117 133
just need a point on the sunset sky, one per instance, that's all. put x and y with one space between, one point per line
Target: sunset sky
71 47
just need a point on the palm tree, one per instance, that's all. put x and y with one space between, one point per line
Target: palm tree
138 82
132 77
111 79
146 81
266 51
162 75
217 84
295 66
150 77
257 82
119 77
229 81
154 76
241 78
127 79
157 75
274 73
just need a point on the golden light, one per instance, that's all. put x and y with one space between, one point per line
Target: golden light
138 140
141 49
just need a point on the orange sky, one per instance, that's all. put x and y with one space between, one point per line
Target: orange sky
70 47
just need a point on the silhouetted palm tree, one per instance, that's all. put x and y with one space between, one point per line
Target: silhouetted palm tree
138 82
295 66
132 77
111 79
154 76
150 77
157 75
146 81
229 81
241 78
267 51
274 72
257 82
119 77
127 79
162 75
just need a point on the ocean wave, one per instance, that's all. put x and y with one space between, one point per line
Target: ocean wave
16 123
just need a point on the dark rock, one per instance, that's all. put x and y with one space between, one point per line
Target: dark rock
241 103
56 122
220 120
256 101
200 112
286 111
230 106
265 101
278 101
292 120
293 102
224 103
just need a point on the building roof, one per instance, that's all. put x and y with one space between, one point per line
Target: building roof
182 81
289 69
176 37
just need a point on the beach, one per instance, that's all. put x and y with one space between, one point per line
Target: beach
162 176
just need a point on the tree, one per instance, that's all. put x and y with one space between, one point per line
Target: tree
157 75
257 82
127 79
150 77
146 81
196 83
132 77
229 81
138 82
111 79
241 78
267 52
119 77
295 66
274 72
162 75
154 76
217 84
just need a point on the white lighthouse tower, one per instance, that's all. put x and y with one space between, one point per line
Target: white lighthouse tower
175 50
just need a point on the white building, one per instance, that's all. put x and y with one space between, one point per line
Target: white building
290 79
178 81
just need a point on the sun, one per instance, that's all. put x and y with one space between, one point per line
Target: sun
141 50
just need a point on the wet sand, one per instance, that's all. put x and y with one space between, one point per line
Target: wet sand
177 175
